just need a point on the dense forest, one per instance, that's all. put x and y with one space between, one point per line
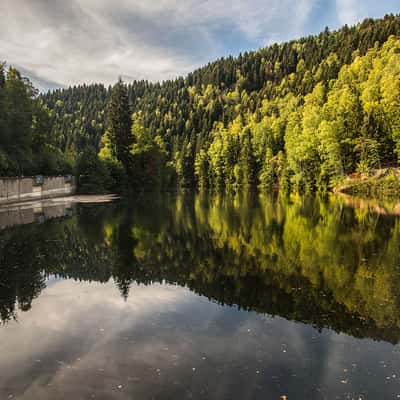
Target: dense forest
27 144
299 115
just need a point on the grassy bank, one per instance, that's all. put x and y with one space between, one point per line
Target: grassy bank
378 183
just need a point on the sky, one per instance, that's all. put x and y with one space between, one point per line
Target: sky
58 43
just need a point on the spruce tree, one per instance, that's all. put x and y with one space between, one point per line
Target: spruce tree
3 156
2 75
119 125
267 173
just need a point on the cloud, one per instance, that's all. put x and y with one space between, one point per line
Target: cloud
81 340
86 41
42 84
352 11
60 42
348 11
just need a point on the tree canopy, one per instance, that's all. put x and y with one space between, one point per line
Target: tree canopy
301 114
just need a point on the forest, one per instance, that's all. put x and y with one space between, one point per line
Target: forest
27 141
299 116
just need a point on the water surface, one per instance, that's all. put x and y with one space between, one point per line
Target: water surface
200 297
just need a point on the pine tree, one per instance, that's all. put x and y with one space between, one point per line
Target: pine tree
247 161
2 75
119 125
19 102
201 168
267 177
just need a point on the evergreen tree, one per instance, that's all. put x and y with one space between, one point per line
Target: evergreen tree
201 167
2 75
246 161
2 105
304 113
118 125
267 175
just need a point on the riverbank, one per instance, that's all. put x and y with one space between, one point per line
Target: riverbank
380 183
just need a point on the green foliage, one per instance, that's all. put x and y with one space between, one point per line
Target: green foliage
94 175
8 166
246 164
51 161
383 184
202 169
369 154
327 104
78 116
27 146
148 158
184 162
16 127
267 173
118 125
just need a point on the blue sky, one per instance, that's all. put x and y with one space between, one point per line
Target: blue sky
60 43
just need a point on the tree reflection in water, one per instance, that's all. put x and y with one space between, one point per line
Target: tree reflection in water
305 259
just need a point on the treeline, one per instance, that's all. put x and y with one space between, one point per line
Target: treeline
26 136
298 115
301 114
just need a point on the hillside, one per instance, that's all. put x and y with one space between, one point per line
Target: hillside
255 104
301 114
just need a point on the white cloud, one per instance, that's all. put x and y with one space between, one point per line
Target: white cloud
82 339
75 41
353 11
98 40
348 11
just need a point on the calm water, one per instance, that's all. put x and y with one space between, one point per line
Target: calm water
198 297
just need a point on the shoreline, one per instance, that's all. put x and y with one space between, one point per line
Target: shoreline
379 184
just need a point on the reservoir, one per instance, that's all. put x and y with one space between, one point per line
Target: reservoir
198 296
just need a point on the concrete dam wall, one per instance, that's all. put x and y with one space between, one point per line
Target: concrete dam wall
13 190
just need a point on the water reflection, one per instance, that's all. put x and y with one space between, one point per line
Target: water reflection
303 259
113 297
33 212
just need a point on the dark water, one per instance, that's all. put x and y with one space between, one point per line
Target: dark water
198 297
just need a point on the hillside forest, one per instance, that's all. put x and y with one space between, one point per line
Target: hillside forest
300 116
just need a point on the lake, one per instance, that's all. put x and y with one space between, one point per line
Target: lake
200 297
